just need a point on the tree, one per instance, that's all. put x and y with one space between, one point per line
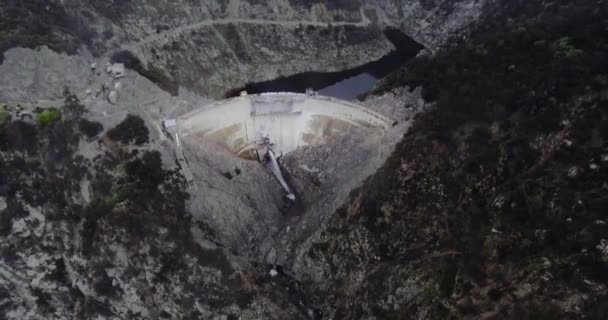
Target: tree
131 130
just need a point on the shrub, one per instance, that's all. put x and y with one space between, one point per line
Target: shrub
5 117
130 130
49 116
114 199
18 135
564 47
146 171
72 106
89 128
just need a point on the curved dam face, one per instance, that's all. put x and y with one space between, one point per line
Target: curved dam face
329 147
291 120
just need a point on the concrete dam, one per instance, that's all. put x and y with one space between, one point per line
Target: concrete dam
291 120
311 151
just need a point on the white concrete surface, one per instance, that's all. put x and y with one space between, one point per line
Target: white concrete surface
290 119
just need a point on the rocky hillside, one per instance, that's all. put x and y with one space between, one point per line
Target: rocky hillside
212 46
494 205
94 226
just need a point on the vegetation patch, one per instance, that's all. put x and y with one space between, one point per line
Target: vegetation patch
131 130
18 136
72 106
496 189
5 117
89 128
35 23
49 116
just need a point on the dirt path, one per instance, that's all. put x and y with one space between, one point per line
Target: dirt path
289 24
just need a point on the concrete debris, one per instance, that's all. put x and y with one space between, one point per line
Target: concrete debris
93 66
3 204
27 117
593 166
113 97
88 92
170 125
116 70
273 272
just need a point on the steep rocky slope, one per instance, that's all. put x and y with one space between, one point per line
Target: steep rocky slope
107 235
494 205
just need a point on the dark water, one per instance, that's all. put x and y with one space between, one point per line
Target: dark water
347 84
351 88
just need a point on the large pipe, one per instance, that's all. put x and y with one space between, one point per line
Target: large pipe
276 170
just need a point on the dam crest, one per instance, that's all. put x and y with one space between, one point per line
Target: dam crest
291 120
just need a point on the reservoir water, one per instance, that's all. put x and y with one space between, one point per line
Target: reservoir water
347 84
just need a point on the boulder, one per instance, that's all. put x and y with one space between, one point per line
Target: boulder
113 97
116 70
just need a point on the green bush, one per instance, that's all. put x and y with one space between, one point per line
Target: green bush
565 47
114 199
49 116
5 117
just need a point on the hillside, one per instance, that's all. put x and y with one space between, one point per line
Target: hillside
494 205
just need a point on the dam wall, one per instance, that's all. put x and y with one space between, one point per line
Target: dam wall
291 120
